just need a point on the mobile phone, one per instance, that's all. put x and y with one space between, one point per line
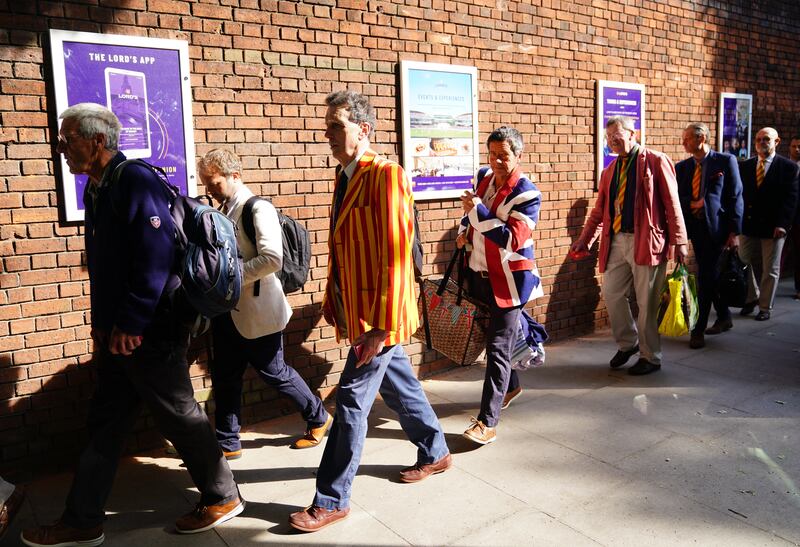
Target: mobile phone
359 351
126 95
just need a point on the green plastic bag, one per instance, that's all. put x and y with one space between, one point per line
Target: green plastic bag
677 313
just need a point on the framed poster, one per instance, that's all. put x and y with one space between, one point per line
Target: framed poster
617 99
439 106
145 82
735 124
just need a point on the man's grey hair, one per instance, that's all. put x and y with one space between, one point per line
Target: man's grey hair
508 134
623 121
222 161
357 104
700 129
92 120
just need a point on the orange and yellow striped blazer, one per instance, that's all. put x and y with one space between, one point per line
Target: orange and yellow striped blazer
372 243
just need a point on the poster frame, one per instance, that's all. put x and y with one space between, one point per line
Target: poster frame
601 117
69 198
406 102
721 121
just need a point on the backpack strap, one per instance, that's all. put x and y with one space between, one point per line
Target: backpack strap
170 188
249 228
248 225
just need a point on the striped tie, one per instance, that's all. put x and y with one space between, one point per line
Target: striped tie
696 182
620 202
760 173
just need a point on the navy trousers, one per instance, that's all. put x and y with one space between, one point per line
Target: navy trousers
232 353
707 253
500 338
157 375
390 374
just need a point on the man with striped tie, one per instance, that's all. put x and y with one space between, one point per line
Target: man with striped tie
770 197
370 301
638 218
710 191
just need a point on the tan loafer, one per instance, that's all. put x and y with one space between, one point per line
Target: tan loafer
420 471
314 435
316 518
206 517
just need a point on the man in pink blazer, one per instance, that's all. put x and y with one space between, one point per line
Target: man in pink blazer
638 218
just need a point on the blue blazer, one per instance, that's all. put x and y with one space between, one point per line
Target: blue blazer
774 204
721 188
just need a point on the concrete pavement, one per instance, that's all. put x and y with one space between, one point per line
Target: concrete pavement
704 452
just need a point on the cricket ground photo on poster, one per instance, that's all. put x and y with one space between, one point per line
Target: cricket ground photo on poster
440 127
617 99
735 127
145 82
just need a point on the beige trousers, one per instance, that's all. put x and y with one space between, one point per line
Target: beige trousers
770 249
622 278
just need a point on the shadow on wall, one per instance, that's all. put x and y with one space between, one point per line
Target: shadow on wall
575 292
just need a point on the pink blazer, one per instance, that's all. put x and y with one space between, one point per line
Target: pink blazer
658 221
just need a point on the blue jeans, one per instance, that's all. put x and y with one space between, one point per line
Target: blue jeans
232 353
390 373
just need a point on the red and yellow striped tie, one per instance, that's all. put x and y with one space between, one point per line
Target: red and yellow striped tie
696 182
620 201
760 173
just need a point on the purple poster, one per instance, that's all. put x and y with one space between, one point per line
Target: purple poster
144 81
621 102
734 131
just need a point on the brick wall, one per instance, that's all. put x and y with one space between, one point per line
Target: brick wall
260 72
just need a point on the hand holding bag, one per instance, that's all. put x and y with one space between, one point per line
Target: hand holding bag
456 322
677 314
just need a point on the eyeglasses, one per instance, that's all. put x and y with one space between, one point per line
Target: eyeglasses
64 140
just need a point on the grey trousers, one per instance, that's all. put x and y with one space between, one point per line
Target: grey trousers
623 277
770 268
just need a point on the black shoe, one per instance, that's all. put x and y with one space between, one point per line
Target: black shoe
748 308
642 367
622 356
762 316
720 326
697 341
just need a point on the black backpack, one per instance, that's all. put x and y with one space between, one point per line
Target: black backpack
296 248
207 259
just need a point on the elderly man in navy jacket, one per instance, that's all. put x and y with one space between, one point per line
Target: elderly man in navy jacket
141 334
710 192
770 200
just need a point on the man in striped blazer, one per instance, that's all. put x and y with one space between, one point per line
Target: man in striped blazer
370 301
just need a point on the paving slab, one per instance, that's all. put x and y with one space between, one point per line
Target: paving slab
705 452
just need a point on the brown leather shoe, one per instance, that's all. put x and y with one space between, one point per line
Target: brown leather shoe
420 471
313 436
233 454
720 326
510 396
63 536
206 517
316 518
10 508
697 341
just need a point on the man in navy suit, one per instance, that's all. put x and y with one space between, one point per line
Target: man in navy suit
710 192
770 201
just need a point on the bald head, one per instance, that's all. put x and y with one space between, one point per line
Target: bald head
767 141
